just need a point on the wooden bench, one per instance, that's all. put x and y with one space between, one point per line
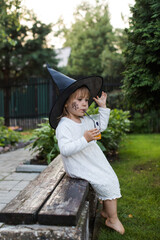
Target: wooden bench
51 199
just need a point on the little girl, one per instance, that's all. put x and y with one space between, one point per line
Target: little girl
82 157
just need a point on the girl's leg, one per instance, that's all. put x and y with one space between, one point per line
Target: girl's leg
104 212
110 208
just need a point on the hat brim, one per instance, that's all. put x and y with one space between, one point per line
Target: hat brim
94 84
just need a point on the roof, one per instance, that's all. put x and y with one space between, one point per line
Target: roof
63 56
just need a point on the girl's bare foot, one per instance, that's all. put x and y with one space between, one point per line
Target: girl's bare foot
116 225
103 214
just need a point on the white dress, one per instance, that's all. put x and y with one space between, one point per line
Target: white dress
86 160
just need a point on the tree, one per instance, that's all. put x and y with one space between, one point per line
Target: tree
9 9
91 39
142 76
113 61
28 55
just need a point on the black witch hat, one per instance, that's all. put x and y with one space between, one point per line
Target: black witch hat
64 86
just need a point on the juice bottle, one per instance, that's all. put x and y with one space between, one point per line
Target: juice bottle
99 136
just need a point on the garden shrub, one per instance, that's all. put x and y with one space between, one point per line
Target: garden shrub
146 122
116 100
46 143
7 136
119 125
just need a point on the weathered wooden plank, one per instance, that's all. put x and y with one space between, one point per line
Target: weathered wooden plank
24 207
64 205
41 232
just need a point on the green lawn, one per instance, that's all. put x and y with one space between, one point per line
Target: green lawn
138 173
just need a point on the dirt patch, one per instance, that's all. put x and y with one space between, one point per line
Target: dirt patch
112 156
38 160
148 166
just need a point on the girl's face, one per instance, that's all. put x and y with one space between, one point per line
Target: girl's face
77 104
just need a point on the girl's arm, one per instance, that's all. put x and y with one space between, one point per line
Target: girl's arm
103 110
104 117
67 145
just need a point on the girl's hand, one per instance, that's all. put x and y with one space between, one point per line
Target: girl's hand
91 134
102 100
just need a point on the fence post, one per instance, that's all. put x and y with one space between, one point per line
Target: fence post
6 104
50 95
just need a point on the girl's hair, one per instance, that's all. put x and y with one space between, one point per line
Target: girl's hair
82 91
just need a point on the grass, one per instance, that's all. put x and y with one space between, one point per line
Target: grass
138 173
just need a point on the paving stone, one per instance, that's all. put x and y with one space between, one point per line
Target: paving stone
4 170
2 205
21 176
7 169
3 192
15 176
6 197
2 177
4 174
14 158
11 182
29 176
7 185
30 168
21 185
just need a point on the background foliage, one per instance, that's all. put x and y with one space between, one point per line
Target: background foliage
10 10
45 142
118 126
148 122
142 56
30 52
95 47
7 136
23 49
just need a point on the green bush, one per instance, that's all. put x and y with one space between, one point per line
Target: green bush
119 125
92 109
146 122
45 142
116 100
7 136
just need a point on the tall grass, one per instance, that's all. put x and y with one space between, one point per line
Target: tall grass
138 170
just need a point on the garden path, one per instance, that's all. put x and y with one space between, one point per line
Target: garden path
12 182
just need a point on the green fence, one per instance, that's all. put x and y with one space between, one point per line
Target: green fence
29 100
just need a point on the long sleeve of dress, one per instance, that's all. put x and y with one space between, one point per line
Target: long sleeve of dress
104 117
67 145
